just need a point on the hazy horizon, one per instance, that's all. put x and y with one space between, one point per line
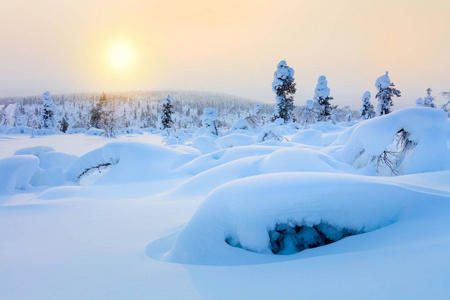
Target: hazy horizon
228 47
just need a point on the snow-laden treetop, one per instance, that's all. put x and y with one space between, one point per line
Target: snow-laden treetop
383 81
322 90
168 100
309 104
282 74
366 96
47 97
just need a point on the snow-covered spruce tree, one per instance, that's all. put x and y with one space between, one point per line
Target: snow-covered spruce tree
109 124
166 113
385 93
209 121
284 87
98 113
367 111
64 125
257 109
322 98
309 113
428 101
103 118
48 112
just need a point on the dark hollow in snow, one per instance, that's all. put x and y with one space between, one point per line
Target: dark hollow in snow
290 238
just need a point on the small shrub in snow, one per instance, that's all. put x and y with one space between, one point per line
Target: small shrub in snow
284 87
385 93
269 132
419 102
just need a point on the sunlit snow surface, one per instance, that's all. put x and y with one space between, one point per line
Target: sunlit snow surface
139 217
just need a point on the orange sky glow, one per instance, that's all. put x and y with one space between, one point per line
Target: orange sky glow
225 46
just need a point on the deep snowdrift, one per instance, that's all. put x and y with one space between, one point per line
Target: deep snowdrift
245 213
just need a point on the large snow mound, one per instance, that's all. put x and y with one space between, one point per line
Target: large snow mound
308 137
235 140
424 132
16 172
245 213
129 162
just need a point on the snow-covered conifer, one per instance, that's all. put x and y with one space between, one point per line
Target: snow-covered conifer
385 93
209 121
98 113
48 112
322 98
166 113
284 87
103 118
428 101
257 109
309 117
64 124
419 102
367 111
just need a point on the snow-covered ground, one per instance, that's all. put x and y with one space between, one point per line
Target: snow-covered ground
145 216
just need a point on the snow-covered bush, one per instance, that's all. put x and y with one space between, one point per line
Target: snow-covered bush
127 162
385 93
284 87
209 121
269 132
398 143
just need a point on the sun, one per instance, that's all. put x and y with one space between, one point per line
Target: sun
121 55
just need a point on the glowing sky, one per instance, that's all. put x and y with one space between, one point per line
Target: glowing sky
225 46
